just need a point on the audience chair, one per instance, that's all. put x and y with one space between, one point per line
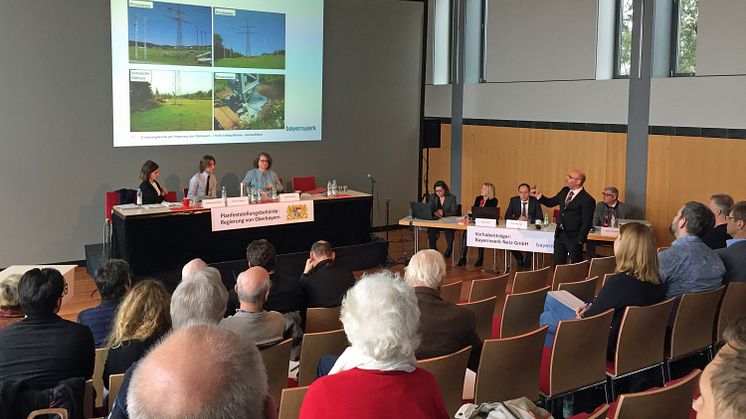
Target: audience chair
110 199
115 383
584 290
731 307
528 281
276 361
600 412
600 267
89 399
481 289
313 347
693 323
170 196
642 339
510 367
291 401
321 319
660 249
572 272
98 375
451 292
304 184
53 413
671 402
603 281
521 312
577 360
449 371
484 313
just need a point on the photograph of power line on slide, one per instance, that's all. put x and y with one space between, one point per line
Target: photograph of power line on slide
175 34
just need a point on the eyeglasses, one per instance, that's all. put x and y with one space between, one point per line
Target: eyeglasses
264 161
607 194
65 290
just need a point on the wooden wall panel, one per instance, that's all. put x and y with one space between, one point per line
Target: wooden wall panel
440 160
682 169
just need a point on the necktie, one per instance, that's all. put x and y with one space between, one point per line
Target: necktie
207 185
609 216
569 197
523 211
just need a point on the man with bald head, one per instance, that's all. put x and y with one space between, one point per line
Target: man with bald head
575 218
251 320
192 267
323 282
200 371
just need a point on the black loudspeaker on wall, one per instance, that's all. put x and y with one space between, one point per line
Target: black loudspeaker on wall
432 134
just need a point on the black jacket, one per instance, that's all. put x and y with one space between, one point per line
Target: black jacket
150 195
326 284
576 218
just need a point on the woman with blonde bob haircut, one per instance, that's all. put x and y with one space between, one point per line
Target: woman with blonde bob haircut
636 282
141 320
377 376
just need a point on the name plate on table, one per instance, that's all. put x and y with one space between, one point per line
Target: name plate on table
238 200
609 231
261 215
519 224
485 222
289 197
213 203
539 241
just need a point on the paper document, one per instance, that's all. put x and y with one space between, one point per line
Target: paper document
128 206
568 300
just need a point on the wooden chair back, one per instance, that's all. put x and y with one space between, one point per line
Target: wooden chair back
600 267
642 337
693 323
528 281
673 401
579 353
316 345
572 272
276 361
584 290
731 307
98 374
660 249
451 292
521 312
291 401
322 319
89 399
115 383
600 412
481 289
484 313
517 357
61 413
449 371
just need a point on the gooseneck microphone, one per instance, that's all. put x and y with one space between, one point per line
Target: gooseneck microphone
371 178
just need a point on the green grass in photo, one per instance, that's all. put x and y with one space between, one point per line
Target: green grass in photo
185 115
158 55
257 61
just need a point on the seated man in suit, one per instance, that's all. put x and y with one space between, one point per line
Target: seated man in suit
575 217
734 256
716 237
610 209
523 207
323 282
444 327
44 349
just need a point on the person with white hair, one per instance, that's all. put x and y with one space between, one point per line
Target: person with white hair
200 299
377 376
444 327
200 371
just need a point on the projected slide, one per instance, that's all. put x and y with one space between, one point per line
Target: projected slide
212 72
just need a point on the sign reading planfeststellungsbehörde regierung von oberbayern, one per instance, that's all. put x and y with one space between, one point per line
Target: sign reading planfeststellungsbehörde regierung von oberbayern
539 241
261 215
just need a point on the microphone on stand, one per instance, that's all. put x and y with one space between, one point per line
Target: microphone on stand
371 178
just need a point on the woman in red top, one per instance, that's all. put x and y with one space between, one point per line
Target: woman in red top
377 376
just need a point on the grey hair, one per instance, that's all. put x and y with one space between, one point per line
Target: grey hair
723 202
237 368
253 297
698 218
200 299
381 317
613 189
426 268
9 291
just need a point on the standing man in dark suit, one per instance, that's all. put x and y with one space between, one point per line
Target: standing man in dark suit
442 204
575 217
523 207
324 283
734 255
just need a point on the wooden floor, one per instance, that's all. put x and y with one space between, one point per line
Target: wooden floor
401 247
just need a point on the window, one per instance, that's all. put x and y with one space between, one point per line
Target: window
441 45
684 48
623 39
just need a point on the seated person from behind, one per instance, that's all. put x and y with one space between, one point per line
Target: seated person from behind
717 237
10 308
112 281
523 207
734 256
636 281
142 318
444 327
204 184
262 176
43 348
251 320
323 282
486 199
442 204
610 209
377 375
152 192
689 265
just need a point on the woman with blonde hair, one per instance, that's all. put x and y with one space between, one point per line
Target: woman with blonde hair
485 199
637 280
141 320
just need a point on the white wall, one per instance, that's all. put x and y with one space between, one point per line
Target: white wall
708 102
721 37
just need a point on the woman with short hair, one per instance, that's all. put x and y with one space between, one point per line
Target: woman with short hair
262 176
377 376
10 307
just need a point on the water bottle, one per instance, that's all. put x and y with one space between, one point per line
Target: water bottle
329 188
274 193
139 196
224 195
546 218
334 187
252 196
241 189
613 222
